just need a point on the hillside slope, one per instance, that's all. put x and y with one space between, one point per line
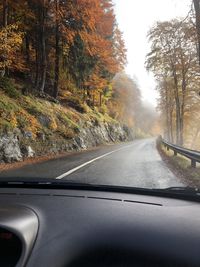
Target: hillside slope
32 126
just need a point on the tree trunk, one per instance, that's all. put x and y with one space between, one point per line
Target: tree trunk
57 55
5 23
178 113
182 107
197 13
42 47
167 113
5 13
27 48
178 121
181 131
171 125
37 64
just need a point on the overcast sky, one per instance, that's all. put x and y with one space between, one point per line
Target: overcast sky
135 17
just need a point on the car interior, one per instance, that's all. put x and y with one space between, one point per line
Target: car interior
99 133
91 226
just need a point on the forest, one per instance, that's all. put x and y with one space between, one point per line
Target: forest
69 52
51 42
175 61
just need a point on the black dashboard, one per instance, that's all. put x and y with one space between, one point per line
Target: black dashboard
72 228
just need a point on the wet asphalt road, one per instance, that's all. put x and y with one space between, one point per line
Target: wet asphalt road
136 163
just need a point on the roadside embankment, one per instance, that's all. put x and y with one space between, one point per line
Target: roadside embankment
180 166
32 126
16 146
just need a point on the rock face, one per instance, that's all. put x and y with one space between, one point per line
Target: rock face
10 149
102 133
28 152
91 134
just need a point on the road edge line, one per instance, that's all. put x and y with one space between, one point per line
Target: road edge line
88 162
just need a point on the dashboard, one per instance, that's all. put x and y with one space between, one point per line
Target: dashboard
72 228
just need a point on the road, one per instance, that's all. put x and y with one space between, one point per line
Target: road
136 163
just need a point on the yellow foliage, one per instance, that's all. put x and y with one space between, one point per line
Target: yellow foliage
53 124
13 120
27 121
10 43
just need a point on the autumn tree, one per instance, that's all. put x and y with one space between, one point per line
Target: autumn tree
197 16
98 51
10 39
125 103
173 56
61 44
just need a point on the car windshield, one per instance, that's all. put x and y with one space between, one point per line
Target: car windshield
101 92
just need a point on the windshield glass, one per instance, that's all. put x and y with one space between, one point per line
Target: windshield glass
104 92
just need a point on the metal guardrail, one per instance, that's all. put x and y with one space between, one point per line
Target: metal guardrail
193 155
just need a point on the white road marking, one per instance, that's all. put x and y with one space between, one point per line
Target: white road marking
88 162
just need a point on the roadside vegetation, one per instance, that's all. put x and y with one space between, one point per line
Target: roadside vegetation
174 59
62 65
180 166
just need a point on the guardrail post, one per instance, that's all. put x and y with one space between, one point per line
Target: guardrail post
175 153
193 163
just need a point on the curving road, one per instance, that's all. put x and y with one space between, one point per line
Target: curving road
136 163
